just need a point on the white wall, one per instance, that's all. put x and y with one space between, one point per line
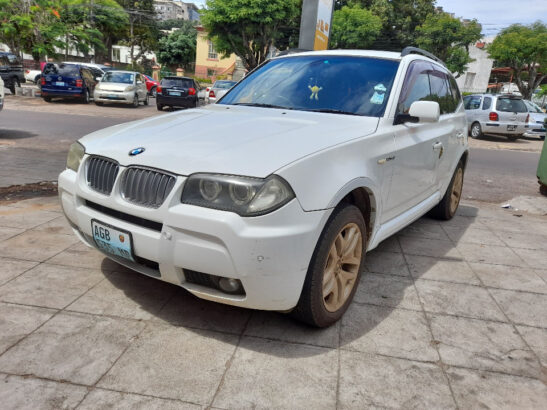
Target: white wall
475 79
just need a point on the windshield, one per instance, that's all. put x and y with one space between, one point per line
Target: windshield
66 70
118 77
224 85
177 82
334 84
508 104
533 107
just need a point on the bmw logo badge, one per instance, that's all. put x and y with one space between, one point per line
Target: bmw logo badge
136 151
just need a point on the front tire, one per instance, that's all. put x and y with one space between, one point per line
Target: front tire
153 92
512 138
476 130
446 209
146 102
335 269
159 107
99 103
135 101
14 83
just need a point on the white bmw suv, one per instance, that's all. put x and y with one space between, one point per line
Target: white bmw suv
270 198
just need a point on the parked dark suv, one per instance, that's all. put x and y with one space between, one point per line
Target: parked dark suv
11 70
68 81
177 92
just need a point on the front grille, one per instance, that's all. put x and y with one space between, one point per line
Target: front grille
135 220
101 174
147 187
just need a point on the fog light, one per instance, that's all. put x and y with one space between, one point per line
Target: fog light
229 285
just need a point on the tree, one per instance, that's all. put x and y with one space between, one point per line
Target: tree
524 49
354 27
247 27
179 47
449 38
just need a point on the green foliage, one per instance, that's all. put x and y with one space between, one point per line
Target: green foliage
448 38
354 27
542 91
524 49
179 47
247 27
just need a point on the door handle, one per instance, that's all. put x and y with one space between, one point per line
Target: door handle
384 160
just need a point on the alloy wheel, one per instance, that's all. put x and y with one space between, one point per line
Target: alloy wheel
456 193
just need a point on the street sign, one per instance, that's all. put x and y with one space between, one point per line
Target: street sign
315 25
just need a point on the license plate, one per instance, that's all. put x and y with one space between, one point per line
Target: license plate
112 96
174 93
60 83
511 127
112 240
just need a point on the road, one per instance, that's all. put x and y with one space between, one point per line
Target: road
38 133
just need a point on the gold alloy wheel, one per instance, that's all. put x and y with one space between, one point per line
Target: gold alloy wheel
342 267
456 191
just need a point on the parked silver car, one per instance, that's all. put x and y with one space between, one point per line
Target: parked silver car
218 90
504 115
536 124
125 87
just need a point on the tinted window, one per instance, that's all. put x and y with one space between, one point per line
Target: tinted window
472 102
533 107
416 86
177 82
66 70
508 104
118 77
455 90
487 103
440 92
344 84
224 85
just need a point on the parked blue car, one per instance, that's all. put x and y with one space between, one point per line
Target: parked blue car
66 80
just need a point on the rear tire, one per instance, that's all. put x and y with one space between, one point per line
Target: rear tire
86 98
476 130
47 99
446 209
153 91
15 82
159 107
335 268
512 138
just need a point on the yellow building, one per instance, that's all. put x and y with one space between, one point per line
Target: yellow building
209 63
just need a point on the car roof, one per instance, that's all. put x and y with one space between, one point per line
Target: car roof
174 77
391 55
123 71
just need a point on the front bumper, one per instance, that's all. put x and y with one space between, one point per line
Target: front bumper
535 130
125 97
269 254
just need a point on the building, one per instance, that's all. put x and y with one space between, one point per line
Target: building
209 63
176 10
475 79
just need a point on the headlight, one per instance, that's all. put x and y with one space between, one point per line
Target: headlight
130 88
242 195
75 155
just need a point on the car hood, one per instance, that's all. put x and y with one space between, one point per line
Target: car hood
226 139
113 86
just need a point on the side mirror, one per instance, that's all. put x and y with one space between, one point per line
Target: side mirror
98 78
425 111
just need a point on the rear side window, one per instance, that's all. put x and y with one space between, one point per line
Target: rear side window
487 103
177 82
472 103
508 104
440 92
66 70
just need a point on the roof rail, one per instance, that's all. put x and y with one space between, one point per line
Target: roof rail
415 50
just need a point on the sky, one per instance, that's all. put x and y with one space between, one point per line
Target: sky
494 15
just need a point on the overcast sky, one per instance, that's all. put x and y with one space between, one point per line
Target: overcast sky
492 14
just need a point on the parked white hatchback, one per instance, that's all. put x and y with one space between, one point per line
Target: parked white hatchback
270 198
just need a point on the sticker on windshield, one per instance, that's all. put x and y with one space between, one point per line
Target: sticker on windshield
314 91
381 88
377 98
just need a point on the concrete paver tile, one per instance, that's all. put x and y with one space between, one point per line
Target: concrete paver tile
429 247
509 277
523 308
126 294
82 256
174 363
509 223
387 290
73 347
499 255
386 262
6 233
46 203
12 268
50 286
104 399
449 270
473 234
425 228
281 327
537 340
23 218
391 244
187 310
368 381
277 375
36 245
534 258
458 299
542 273
483 345
486 390
23 393
387 331
524 240
18 321
57 225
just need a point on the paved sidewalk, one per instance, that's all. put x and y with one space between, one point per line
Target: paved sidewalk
448 315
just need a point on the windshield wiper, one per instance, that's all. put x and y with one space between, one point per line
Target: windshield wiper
263 105
332 111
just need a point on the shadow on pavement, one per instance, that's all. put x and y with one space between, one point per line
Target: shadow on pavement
15 134
382 289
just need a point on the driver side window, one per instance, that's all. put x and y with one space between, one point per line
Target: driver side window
416 86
